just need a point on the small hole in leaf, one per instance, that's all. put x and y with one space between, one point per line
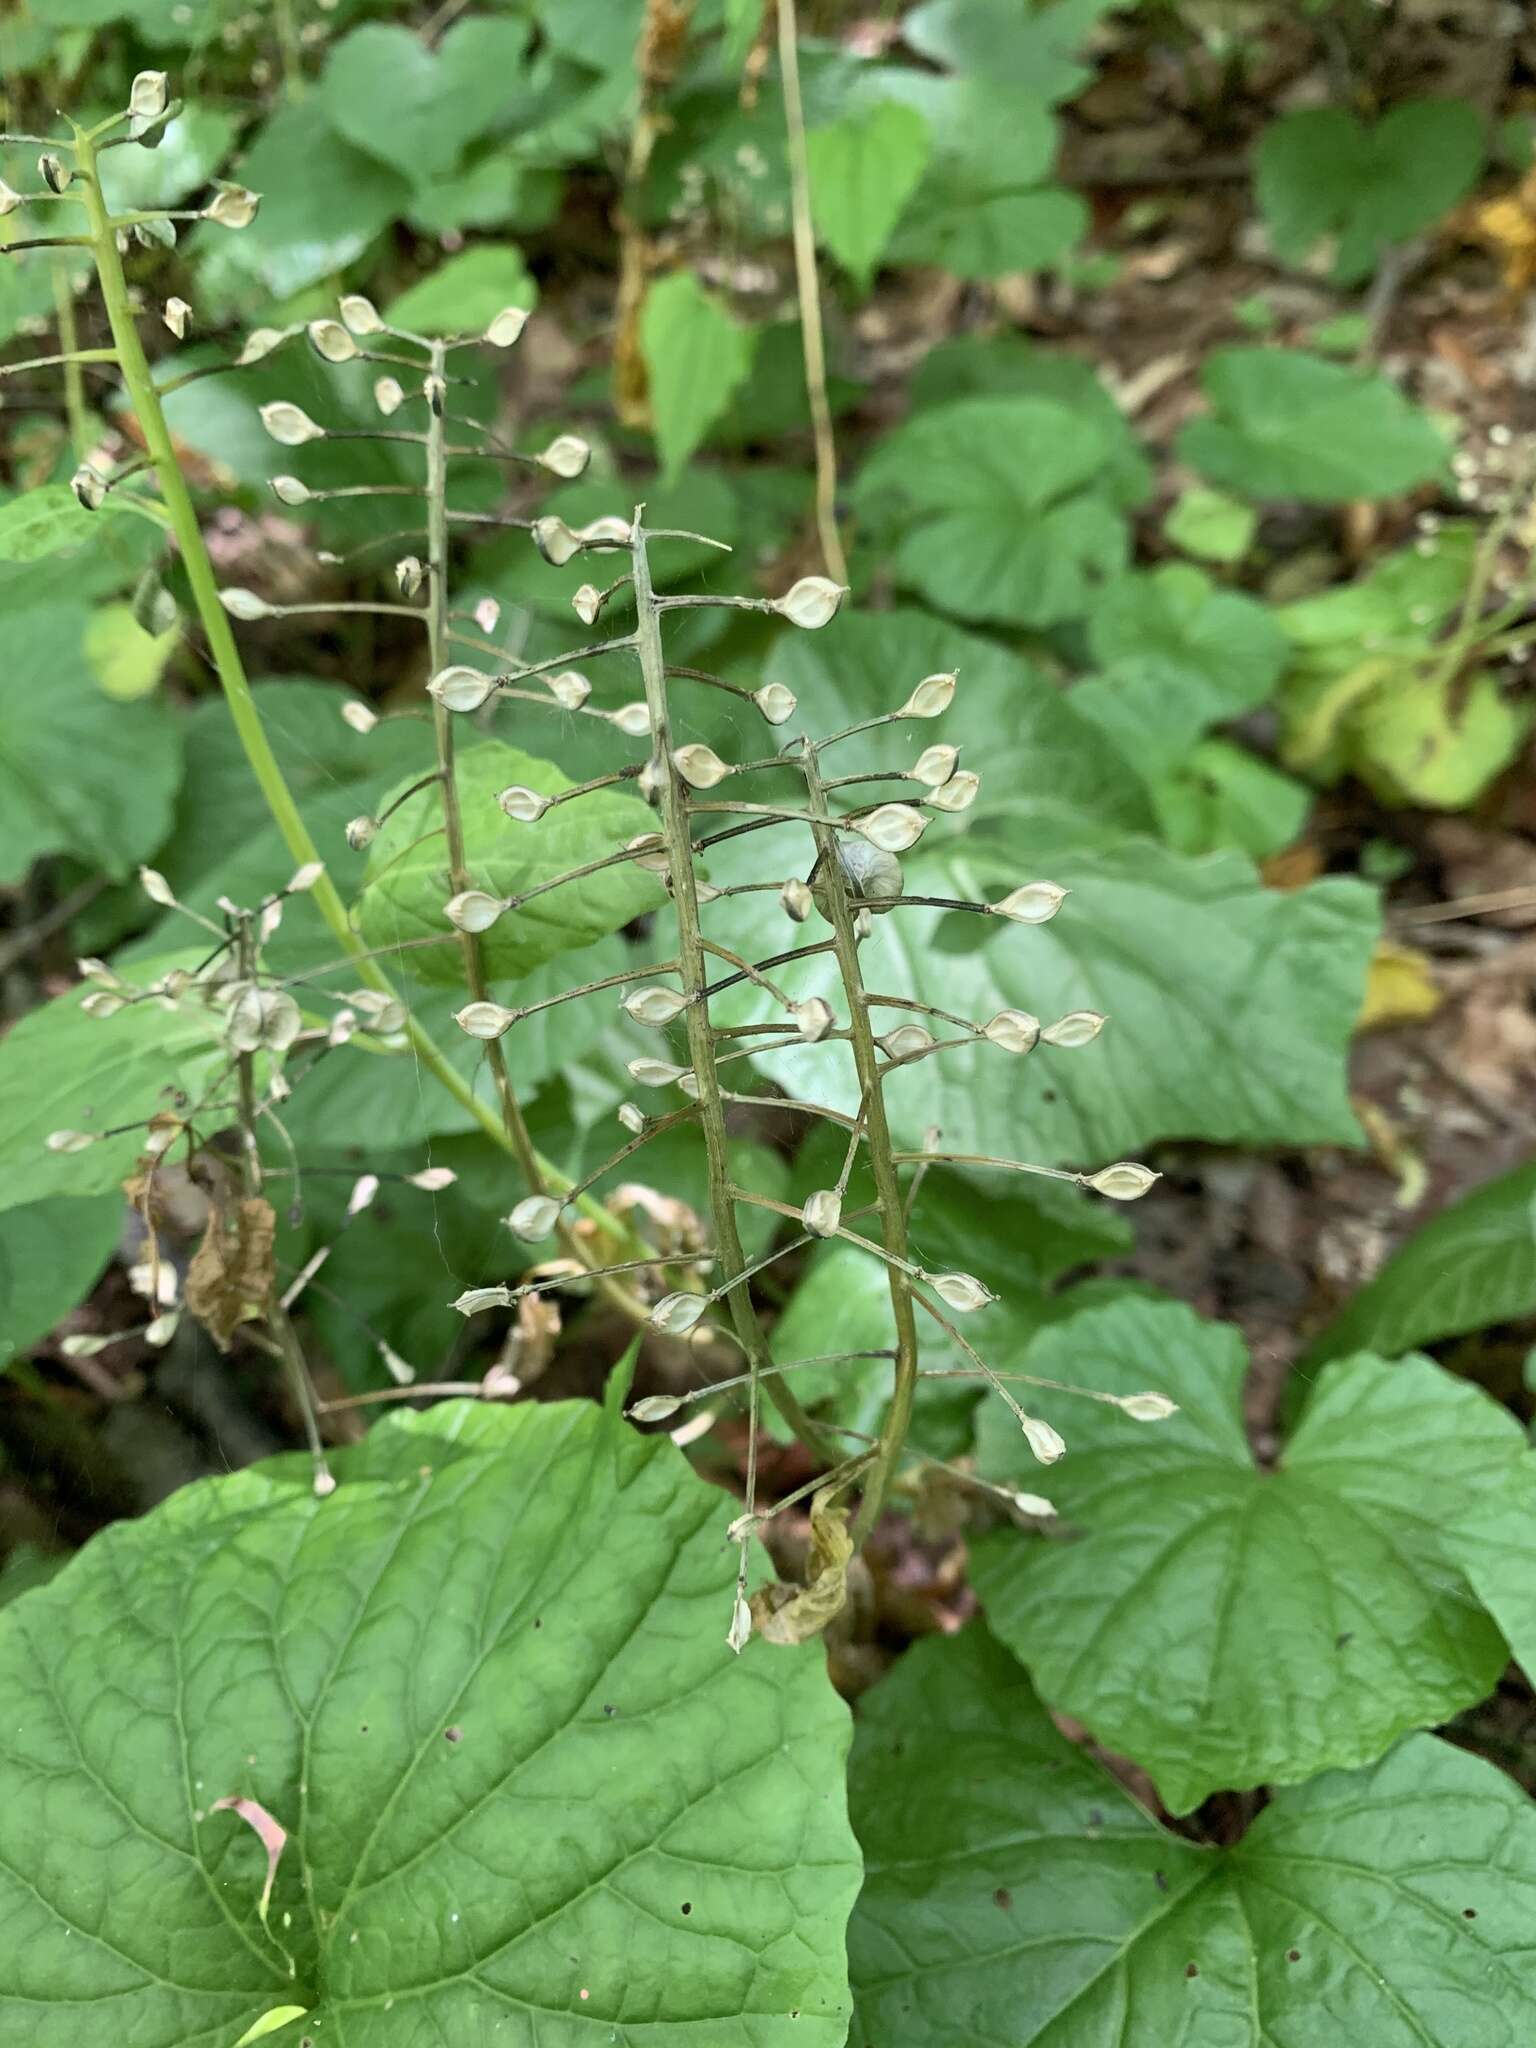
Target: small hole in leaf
1002 1897
1191 1969
1293 1955
453 1735
1469 1912
687 1905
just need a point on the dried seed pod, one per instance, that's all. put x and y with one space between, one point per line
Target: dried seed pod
361 831
434 389
485 1020
675 1313
554 540
149 96
699 766
823 1212
261 1018
331 341
487 614
1047 1444
813 1019
177 315
1125 1181
10 199
870 876
157 888
587 603
68 1141
893 827
566 456
89 487
507 326
632 1117
410 574
810 603
1033 903
290 424
245 604
304 878
474 1299
460 688
102 1002
654 1006
534 1217
932 696
232 207
1078 1027
649 851
291 490
527 806
54 173
361 315
473 910
608 532
906 1042
1147 1407
654 1408
739 1634
1032 1504
958 794
775 702
634 719
388 395
1013 1030
656 1073
960 1290
934 765
433 1179
796 900
569 688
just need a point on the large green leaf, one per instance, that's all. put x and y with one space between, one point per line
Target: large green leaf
529 1793
1015 1896
1495 1544
1041 46
696 355
189 151
998 509
42 521
1175 656
1474 1264
417 109
1230 1627
50 1255
1289 425
862 171
1230 1006
61 1070
79 772
408 883
467 292
1321 171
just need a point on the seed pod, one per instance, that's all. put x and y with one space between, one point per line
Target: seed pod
527 806
699 766
331 341
906 1042
893 827
566 456
1032 1504
739 1634
485 1020
233 207
654 1006
870 876
811 602
1046 1443
675 1313
506 327
343 1026
1124 1181
569 688
632 1117
775 702
1078 1027
89 487
261 1018
9 199
1013 1030
291 490
361 315
958 794
650 852
634 719
654 1408
54 173
1034 903
245 604
361 832
461 689
176 315
260 342
290 424
934 765
102 1002
823 1212
68 1141
387 1014
796 900
388 395
1147 1407
434 389
304 878
813 1019
433 1179
157 888
487 614
533 1218
960 1290
931 697
656 1073
587 603
608 532
409 575
472 910
554 540
474 1299
148 96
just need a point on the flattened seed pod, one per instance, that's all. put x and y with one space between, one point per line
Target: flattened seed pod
872 877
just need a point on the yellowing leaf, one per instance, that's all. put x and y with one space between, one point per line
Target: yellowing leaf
128 662
1399 988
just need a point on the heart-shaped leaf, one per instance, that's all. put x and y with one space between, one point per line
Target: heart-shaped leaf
1015 1895
1229 1627
419 109
863 169
479 1703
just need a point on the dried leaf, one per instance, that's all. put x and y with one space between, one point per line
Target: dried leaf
793 1614
229 1280
1399 988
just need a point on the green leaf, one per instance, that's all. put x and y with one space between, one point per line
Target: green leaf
464 295
63 1070
1231 1006
1211 525
1321 171
419 109
1227 1627
127 661
1222 796
40 522
999 509
79 773
51 1253
1176 656
863 170
484 1687
408 883
190 150
1290 425
1472 1265
1495 1544
1016 1896
1040 44
696 356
